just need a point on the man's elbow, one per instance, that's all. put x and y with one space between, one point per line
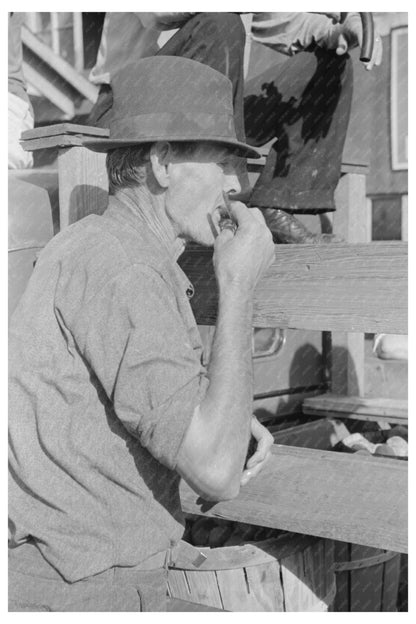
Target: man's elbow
216 487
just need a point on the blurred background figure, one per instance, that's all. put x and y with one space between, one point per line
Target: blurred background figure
391 346
20 111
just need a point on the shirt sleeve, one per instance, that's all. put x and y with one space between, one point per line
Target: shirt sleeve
289 33
135 341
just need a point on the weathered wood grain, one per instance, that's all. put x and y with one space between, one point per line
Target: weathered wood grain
351 225
339 496
55 130
56 62
83 184
339 287
366 582
360 408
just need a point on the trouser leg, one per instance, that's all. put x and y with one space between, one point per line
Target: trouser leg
305 105
217 40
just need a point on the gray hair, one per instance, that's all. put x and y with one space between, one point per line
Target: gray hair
127 167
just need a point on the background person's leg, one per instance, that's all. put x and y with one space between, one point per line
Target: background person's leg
306 106
217 40
305 103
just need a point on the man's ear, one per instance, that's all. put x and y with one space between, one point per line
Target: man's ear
160 157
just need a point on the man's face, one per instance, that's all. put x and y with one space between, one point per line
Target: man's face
195 193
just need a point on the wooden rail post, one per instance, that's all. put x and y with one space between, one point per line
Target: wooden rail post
83 185
82 177
350 223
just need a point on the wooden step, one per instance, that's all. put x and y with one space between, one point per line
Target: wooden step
358 408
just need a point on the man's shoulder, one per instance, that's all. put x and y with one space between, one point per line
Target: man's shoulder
96 241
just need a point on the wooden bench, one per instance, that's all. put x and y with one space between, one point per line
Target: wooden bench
345 289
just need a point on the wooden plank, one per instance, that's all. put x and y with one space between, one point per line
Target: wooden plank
347 363
366 582
64 128
49 90
349 223
391 584
342 597
83 184
204 589
345 497
61 140
265 587
360 408
178 585
340 287
64 69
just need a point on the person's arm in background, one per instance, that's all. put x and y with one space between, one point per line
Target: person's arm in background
290 33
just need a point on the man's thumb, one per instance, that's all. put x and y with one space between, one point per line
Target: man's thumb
342 46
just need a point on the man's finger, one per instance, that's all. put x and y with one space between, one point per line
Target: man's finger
249 473
262 450
342 45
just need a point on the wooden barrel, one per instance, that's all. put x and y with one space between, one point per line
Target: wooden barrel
367 578
288 573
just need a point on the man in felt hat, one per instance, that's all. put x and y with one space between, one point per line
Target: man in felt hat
109 401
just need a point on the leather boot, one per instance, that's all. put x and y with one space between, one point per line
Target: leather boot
288 229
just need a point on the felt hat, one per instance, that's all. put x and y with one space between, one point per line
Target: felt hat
170 98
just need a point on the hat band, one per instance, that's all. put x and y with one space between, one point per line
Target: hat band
193 126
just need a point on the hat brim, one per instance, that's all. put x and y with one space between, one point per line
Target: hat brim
238 147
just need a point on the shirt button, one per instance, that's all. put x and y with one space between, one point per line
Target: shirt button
190 292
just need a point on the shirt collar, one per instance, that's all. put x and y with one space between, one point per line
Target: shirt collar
124 212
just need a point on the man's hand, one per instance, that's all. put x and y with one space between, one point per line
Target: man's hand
241 257
264 443
349 35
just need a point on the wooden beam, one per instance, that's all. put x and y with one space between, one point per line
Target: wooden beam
338 287
49 90
64 69
347 497
67 129
83 184
359 408
350 224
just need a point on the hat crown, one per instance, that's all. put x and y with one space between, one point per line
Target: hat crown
163 84
171 98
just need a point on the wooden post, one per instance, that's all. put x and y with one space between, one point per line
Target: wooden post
350 223
83 184
82 176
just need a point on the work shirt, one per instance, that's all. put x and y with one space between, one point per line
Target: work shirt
105 374
132 36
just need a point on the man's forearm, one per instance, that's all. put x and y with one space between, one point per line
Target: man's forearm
227 405
213 453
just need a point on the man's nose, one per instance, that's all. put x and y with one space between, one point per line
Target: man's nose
232 183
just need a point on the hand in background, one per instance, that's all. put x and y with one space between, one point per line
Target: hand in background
350 35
